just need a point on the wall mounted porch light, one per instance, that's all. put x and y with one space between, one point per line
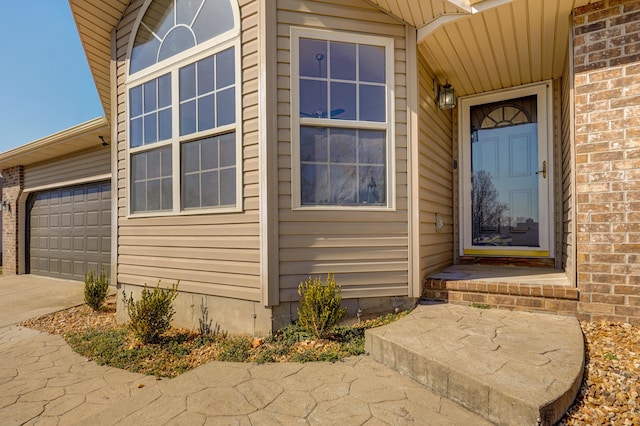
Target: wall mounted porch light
446 96
5 206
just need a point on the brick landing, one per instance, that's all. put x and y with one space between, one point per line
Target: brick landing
513 288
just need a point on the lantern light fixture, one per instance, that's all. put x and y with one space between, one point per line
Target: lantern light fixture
446 96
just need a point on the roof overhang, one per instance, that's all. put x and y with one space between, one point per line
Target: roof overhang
476 45
95 20
83 137
483 45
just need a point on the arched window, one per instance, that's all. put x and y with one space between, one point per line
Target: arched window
183 108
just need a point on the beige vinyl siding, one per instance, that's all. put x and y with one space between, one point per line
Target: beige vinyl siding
213 254
567 181
368 251
435 175
78 168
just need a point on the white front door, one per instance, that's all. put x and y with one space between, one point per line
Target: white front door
506 203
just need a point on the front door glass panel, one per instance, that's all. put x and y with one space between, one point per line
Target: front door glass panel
505 200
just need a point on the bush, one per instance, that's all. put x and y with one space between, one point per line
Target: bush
151 315
234 349
320 306
96 287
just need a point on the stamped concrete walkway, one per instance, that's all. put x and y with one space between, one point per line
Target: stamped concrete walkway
514 368
43 382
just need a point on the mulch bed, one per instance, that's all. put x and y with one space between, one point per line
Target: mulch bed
609 393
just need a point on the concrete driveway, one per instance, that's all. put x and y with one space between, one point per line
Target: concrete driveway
28 296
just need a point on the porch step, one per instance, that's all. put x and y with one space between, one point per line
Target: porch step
507 287
510 367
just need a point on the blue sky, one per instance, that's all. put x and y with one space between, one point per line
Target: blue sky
45 82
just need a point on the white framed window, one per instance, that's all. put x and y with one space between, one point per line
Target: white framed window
183 109
342 120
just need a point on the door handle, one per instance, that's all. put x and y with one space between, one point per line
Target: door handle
544 170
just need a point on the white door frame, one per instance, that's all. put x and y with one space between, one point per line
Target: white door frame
543 91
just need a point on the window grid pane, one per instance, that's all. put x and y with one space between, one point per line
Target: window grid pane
348 83
209 181
150 178
353 172
207 93
150 112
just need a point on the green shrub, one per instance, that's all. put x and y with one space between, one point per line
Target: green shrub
151 315
320 306
235 349
96 287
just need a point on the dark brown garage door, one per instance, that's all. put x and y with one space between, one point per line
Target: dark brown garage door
69 230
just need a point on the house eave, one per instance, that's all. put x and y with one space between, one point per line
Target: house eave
484 45
95 21
82 137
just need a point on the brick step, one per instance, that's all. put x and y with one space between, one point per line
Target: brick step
513 288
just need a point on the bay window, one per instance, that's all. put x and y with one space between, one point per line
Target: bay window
183 109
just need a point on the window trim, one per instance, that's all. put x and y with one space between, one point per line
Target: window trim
171 66
388 126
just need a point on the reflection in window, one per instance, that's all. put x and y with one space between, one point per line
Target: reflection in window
170 27
504 182
183 135
342 166
209 172
347 83
207 93
151 180
352 87
150 112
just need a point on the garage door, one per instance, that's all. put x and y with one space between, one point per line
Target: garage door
69 230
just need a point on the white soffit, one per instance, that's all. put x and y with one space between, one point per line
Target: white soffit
469 9
82 137
484 45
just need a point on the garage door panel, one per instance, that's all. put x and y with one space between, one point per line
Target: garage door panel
92 245
65 220
65 197
65 267
65 243
78 218
78 244
70 230
54 243
93 218
43 263
105 244
54 199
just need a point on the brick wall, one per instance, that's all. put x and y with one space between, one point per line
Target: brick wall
607 137
11 190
